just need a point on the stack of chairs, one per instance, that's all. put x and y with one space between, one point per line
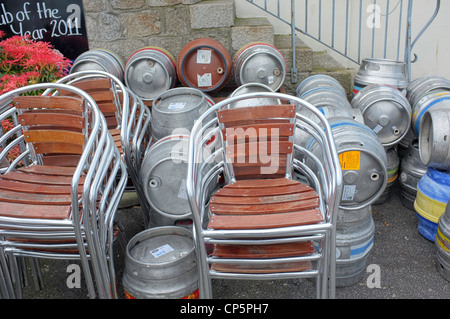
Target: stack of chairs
275 216
58 211
128 120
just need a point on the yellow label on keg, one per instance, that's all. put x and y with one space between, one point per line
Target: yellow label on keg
442 241
350 160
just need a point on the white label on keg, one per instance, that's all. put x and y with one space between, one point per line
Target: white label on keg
182 192
348 192
204 80
377 128
176 106
270 79
158 252
203 56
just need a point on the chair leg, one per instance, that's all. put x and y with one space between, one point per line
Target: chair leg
332 272
37 273
7 287
325 266
15 272
205 288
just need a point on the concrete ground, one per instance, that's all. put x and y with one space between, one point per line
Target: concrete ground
406 260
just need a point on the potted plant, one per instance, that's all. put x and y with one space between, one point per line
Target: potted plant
24 62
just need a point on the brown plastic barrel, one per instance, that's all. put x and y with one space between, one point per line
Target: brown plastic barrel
204 64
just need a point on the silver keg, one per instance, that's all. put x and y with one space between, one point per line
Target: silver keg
363 162
149 72
393 164
402 146
253 88
442 243
422 85
261 63
163 179
411 171
161 263
381 71
319 81
326 96
434 139
354 240
386 111
332 103
99 60
430 100
175 111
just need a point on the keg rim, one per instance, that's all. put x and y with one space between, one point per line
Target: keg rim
173 92
157 231
277 54
216 47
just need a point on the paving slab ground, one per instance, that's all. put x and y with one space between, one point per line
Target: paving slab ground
406 261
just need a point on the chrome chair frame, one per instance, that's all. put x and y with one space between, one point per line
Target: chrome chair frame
134 119
327 181
91 219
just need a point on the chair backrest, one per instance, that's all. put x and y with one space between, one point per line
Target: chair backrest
104 93
258 140
54 126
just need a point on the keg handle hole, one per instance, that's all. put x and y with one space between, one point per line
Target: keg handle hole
372 67
153 183
374 176
220 70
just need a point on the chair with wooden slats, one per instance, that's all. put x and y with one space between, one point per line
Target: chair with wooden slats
263 223
128 120
58 212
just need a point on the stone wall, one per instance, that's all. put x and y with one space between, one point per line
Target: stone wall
125 26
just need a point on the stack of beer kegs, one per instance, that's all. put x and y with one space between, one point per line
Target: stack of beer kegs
430 125
364 165
379 91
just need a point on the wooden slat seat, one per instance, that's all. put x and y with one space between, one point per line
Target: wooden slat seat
284 203
263 269
263 251
263 204
37 191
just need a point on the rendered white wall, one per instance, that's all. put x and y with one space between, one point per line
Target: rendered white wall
432 49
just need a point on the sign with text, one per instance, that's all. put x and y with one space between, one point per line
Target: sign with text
60 22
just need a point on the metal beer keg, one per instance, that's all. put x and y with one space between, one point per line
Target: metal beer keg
163 179
253 88
393 164
422 85
354 240
411 171
204 64
319 81
259 62
149 72
434 138
99 60
442 243
363 162
431 100
386 111
381 71
175 110
161 263
433 193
